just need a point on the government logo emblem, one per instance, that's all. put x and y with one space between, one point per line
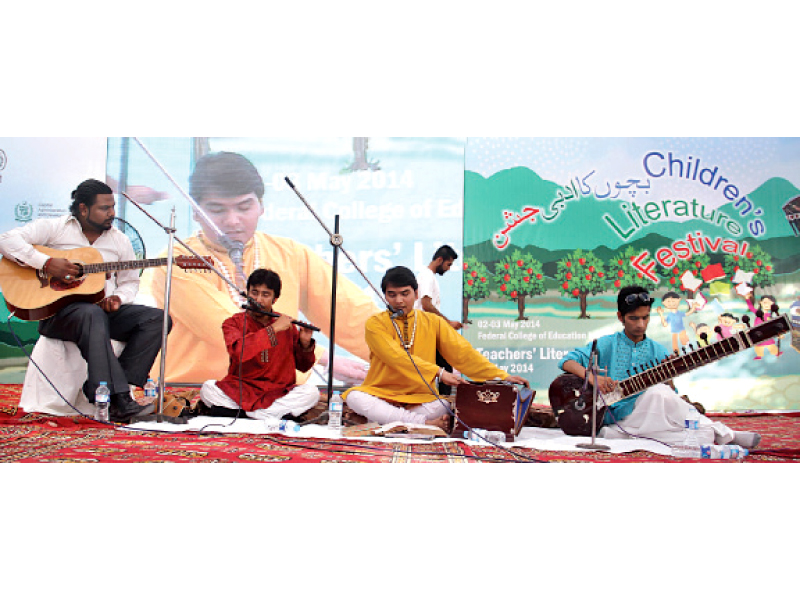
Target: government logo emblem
23 212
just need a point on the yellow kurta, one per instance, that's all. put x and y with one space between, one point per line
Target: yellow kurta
201 301
391 374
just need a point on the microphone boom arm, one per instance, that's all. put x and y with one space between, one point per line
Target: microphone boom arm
235 249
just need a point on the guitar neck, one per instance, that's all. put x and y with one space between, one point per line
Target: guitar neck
684 363
124 265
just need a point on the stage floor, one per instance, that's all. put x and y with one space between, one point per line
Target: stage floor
39 438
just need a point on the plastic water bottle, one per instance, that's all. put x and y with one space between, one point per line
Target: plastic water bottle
724 452
335 408
102 397
281 426
150 390
480 435
689 447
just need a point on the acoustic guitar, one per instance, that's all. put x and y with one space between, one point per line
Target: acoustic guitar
571 401
32 296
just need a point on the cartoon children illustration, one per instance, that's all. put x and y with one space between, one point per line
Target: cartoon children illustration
728 324
673 318
765 305
699 330
794 315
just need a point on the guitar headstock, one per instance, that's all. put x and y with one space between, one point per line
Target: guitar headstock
190 262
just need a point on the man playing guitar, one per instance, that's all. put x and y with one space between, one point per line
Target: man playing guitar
92 326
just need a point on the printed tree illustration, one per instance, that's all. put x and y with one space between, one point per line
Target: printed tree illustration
621 273
476 283
671 277
756 261
519 276
360 160
580 274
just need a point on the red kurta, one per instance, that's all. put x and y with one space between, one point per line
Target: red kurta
268 364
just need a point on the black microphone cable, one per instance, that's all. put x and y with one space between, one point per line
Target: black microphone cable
377 451
610 412
446 405
238 414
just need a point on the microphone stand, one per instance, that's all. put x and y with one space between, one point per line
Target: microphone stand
170 231
336 241
235 248
593 370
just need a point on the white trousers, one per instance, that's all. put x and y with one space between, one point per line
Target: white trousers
659 414
64 366
381 412
296 402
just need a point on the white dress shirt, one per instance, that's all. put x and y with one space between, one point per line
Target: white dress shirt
65 233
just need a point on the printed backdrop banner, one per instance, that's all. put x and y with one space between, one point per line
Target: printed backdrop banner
398 200
37 176
554 227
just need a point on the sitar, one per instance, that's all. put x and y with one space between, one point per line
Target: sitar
571 400
33 296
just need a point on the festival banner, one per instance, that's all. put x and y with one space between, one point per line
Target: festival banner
398 200
554 227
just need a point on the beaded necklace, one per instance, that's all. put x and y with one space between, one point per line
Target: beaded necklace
407 344
235 298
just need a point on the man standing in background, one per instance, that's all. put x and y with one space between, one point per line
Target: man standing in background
429 298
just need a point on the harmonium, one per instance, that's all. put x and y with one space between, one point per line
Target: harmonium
491 405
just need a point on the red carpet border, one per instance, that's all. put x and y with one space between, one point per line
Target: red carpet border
37 438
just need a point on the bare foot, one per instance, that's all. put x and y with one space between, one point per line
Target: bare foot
440 422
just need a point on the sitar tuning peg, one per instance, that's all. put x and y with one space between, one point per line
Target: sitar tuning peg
760 313
774 309
746 320
704 336
718 329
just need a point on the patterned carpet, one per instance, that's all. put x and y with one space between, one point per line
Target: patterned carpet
37 438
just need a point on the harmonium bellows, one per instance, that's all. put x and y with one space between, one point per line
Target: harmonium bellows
492 405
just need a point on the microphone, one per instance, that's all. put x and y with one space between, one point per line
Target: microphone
253 306
235 251
396 313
